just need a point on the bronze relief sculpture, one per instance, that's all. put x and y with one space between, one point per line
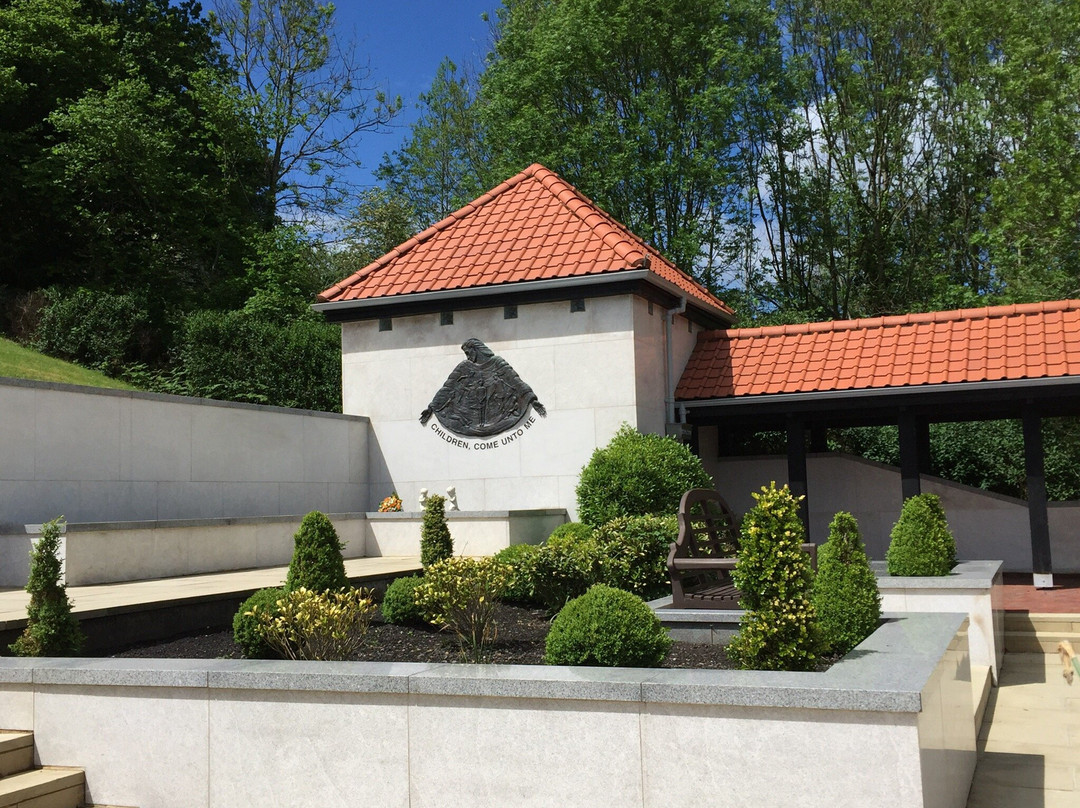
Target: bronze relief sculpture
483 396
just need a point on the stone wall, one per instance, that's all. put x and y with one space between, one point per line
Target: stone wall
96 455
592 370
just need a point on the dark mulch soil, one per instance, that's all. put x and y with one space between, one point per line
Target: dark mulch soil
520 641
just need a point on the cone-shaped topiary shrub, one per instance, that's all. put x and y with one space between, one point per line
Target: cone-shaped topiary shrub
921 543
635 475
633 553
316 563
607 627
247 623
846 596
779 628
399 604
51 628
436 543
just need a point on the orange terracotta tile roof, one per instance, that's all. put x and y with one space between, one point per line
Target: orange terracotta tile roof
535 226
1025 341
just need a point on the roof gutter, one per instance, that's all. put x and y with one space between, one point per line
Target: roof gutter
877 392
571 284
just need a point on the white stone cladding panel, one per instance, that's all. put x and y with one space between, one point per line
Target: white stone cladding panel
581 366
281 736
149 742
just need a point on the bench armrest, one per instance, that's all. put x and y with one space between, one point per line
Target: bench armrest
702 563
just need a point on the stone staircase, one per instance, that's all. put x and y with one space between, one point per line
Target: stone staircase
24 786
1030 633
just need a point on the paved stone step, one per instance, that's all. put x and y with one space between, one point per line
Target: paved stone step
1052 623
16 751
50 787
1035 642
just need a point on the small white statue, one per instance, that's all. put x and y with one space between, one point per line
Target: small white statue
451 499
423 498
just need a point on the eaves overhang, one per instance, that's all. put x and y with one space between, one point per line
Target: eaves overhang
951 401
477 297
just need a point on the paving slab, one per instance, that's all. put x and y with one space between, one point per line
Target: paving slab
102 599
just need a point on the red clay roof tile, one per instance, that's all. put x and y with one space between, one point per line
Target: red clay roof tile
997 343
534 226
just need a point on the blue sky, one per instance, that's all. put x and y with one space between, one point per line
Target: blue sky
405 40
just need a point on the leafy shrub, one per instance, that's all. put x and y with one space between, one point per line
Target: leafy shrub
609 627
317 563
633 553
921 543
635 475
436 544
518 558
247 624
96 329
51 628
249 356
319 625
565 566
461 594
399 603
846 596
779 629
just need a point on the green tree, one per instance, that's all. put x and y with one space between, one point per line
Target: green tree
316 564
443 164
125 163
51 628
307 94
846 595
637 103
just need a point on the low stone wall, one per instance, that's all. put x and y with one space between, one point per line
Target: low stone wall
475 533
974 587
889 725
98 553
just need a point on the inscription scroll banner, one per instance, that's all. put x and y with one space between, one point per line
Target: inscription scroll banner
482 398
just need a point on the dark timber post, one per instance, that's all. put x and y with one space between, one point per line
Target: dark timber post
1036 490
796 467
910 464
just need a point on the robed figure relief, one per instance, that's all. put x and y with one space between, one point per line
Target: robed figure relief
484 396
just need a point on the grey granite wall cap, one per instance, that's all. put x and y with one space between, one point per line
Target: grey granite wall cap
122 672
965 575
222 521
487 516
335 677
531 681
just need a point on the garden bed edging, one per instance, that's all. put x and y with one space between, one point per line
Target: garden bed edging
889 724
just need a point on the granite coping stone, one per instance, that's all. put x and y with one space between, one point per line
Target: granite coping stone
887 673
965 575
451 515
226 521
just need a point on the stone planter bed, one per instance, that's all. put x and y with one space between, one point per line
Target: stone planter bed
890 724
520 641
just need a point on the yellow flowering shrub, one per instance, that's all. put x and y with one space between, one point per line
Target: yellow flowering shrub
779 629
318 625
461 594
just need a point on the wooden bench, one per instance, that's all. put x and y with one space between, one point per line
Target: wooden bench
703 556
